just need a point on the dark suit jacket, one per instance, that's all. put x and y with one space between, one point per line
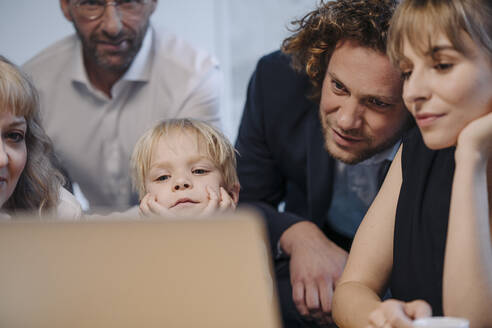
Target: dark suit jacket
281 149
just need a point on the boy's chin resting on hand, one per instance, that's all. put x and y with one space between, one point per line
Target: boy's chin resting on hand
216 201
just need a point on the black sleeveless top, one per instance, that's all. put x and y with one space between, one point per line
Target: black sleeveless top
421 222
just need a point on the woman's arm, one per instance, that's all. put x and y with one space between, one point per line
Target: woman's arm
467 277
369 265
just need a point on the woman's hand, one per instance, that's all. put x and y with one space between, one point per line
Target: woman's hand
397 314
477 137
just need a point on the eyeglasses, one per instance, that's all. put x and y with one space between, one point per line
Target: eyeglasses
93 9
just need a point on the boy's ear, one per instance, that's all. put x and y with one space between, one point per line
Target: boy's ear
234 192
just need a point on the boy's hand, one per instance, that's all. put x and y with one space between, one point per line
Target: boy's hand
150 207
218 202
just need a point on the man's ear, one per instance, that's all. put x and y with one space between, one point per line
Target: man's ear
234 192
65 7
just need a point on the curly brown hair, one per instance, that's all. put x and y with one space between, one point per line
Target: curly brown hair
316 34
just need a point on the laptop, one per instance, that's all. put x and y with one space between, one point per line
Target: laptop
135 273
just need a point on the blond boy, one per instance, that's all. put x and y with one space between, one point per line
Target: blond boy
184 167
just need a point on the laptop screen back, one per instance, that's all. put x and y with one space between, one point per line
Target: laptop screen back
213 273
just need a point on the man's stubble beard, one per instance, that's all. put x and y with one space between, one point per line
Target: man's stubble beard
90 49
364 153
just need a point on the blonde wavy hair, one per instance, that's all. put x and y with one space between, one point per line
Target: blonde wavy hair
218 149
316 34
39 184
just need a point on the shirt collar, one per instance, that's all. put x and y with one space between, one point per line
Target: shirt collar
388 154
139 70
78 70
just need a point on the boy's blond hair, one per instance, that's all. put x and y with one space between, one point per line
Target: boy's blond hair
217 147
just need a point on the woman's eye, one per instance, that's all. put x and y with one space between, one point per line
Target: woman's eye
406 75
199 171
162 178
443 66
15 136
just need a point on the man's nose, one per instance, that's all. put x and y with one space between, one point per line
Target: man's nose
349 115
111 20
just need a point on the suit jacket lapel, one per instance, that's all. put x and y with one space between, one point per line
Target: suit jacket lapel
319 170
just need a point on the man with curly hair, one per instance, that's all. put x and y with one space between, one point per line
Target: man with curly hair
322 119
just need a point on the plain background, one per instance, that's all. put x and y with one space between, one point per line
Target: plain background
237 32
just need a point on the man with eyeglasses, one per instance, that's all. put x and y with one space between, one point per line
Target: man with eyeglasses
102 87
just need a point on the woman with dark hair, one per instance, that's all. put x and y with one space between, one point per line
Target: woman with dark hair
28 179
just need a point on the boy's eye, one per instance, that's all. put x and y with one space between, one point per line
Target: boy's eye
162 178
199 171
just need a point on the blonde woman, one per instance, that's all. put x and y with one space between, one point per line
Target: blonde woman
428 233
28 180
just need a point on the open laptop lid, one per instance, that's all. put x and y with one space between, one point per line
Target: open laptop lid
212 273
